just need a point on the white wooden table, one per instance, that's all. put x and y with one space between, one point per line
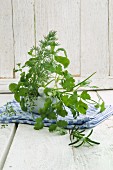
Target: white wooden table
42 150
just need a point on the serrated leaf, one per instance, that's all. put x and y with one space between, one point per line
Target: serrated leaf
68 82
60 109
52 127
85 95
82 107
51 115
63 60
39 124
47 103
65 99
62 123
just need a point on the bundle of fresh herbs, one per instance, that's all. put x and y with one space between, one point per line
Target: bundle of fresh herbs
45 75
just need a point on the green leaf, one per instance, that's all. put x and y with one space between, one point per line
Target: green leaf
51 115
63 60
23 91
62 123
65 99
62 49
52 127
22 104
85 95
61 110
22 78
82 107
102 106
13 87
39 124
68 81
17 97
97 106
47 90
73 99
58 69
47 103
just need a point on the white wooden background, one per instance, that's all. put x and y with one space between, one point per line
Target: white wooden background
84 28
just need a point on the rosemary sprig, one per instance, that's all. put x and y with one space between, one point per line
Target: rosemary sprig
78 138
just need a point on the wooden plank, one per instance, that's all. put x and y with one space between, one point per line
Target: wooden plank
39 150
4 98
64 17
6 40
23 21
6 134
6 138
98 157
94 38
102 83
111 36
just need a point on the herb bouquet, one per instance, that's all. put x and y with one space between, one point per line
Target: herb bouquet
46 87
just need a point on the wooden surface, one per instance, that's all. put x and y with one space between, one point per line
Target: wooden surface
6 40
6 138
94 37
63 17
47 151
6 134
111 36
39 150
84 29
23 23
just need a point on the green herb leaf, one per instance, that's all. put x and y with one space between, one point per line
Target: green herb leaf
62 123
85 95
52 127
82 107
17 97
13 87
39 124
68 82
63 60
23 91
22 104
102 106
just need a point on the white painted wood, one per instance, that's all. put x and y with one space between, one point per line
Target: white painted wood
6 138
111 36
64 17
6 40
23 23
6 134
39 150
98 157
4 98
102 83
94 38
